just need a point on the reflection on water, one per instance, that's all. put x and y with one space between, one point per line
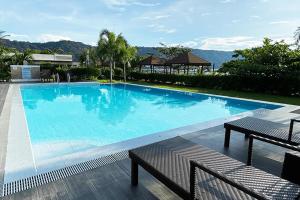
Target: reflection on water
96 114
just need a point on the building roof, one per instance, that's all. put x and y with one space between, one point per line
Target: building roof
188 58
52 57
152 60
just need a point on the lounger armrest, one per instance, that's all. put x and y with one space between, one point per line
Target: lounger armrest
222 177
292 127
285 145
295 120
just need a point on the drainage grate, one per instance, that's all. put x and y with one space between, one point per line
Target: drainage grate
41 179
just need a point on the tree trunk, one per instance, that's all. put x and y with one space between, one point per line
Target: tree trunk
124 72
111 76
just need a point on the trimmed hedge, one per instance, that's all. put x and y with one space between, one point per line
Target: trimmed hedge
105 73
284 85
84 73
78 73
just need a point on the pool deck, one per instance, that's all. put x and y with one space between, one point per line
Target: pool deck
112 181
4 120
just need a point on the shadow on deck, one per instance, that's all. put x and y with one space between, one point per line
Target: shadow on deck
113 181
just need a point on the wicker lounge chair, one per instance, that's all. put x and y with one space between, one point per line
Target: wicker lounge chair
263 128
250 147
196 172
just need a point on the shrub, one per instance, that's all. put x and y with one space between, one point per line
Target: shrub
84 73
285 84
105 72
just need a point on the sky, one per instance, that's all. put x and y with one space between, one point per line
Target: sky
204 24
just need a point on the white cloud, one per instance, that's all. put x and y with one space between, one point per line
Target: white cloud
255 17
52 38
14 36
227 1
235 21
154 17
229 43
205 14
121 4
145 4
161 28
280 22
68 18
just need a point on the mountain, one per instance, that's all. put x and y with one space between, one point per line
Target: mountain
75 48
69 47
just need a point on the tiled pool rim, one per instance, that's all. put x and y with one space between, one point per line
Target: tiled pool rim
149 138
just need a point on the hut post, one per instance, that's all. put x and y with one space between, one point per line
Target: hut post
201 69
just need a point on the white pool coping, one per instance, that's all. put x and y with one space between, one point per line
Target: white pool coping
20 159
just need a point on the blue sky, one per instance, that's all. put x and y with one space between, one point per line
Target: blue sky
209 24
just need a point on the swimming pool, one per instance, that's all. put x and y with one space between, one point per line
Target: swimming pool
64 119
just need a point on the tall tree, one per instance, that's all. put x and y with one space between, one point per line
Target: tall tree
2 36
170 52
108 46
297 37
126 55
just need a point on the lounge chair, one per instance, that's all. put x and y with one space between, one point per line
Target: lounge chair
196 172
281 144
263 128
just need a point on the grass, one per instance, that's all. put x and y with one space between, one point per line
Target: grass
230 93
106 81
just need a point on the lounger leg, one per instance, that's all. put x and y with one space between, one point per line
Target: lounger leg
250 149
134 173
227 137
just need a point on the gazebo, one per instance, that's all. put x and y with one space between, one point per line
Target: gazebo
152 61
188 59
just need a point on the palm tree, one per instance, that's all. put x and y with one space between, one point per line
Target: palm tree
109 47
297 37
126 54
24 56
2 36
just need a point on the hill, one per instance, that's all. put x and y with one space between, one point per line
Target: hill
75 48
69 47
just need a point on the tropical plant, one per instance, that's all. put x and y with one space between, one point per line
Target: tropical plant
109 45
170 52
20 57
270 59
297 37
89 57
126 55
2 36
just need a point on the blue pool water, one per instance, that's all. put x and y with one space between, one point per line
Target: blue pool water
98 114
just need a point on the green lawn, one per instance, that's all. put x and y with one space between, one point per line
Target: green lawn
230 93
